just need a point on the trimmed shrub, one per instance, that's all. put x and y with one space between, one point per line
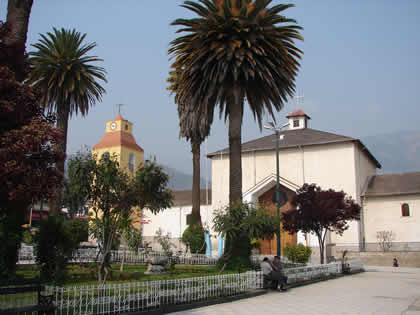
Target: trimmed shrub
297 253
193 238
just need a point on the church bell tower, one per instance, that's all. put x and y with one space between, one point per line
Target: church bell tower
118 139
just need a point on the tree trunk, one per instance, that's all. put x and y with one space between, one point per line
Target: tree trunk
321 242
195 213
122 262
235 155
62 123
321 253
18 12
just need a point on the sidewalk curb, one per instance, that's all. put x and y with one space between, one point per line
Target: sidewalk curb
165 309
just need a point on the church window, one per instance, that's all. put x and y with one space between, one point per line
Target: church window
126 127
296 123
405 209
131 162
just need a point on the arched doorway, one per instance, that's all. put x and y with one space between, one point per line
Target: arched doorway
269 247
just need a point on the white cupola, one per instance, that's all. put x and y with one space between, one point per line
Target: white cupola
298 120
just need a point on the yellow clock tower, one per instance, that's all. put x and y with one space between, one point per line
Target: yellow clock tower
118 139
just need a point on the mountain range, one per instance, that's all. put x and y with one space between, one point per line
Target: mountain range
398 152
183 181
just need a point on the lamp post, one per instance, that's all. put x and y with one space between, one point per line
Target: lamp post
272 126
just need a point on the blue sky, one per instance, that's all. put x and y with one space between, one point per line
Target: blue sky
360 71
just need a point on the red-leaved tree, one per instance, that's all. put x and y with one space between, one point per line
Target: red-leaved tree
319 211
28 156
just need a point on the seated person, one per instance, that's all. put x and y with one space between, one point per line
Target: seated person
275 276
278 270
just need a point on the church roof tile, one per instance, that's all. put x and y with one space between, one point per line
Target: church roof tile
184 197
393 184
295 138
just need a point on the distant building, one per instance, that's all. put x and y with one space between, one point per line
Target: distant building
174 219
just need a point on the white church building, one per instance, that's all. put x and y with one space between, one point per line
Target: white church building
308 156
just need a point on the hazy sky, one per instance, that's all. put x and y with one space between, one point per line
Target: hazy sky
359 75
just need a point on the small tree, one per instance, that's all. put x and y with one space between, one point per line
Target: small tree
319 211
113 195
243 222
165 243
385 240
130 235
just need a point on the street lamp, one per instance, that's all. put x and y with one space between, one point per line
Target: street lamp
271 126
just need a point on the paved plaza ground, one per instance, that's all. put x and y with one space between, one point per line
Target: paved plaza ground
379 290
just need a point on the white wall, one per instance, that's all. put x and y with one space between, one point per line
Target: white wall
174 221
340 166
384 214
365 168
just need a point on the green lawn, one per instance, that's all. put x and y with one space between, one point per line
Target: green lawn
86 274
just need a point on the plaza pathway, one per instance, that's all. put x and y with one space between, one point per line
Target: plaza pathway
380 290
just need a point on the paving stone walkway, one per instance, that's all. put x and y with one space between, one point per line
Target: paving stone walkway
379 290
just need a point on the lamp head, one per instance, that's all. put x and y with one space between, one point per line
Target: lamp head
270 125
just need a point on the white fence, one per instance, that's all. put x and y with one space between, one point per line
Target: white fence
88 255
152 295
147 296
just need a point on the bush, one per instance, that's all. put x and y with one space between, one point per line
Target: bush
77 230
10 240
53 246
193 238
298 253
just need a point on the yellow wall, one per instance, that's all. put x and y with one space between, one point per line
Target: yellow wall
121 125
124 157
123 154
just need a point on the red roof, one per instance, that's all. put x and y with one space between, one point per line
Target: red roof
297 113
119 117
116 139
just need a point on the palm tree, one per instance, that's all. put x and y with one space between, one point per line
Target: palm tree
194 125
236 51
67 78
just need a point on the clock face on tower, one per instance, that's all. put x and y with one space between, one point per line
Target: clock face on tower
113 125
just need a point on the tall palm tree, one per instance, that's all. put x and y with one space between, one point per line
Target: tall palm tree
194 125
236 51
67 78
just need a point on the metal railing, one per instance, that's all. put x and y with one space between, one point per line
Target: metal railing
90 255
257 259
150 295
379 247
